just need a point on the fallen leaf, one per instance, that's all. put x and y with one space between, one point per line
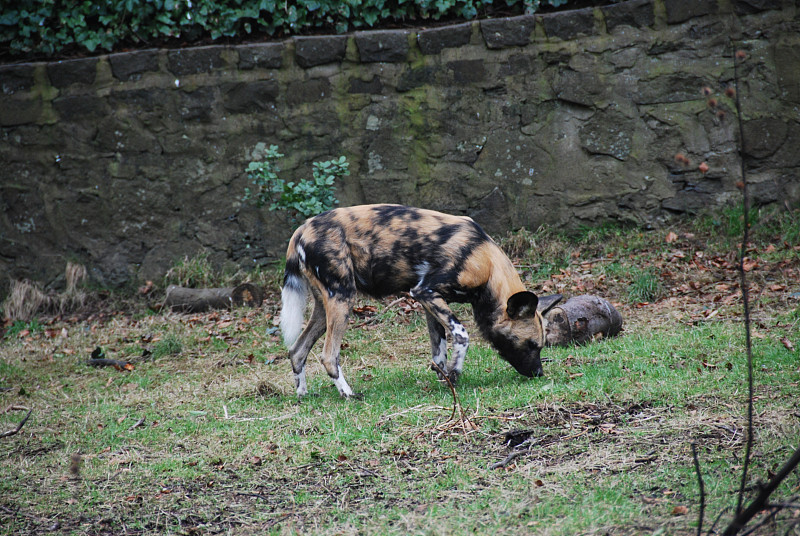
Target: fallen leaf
787 344
680 511
146 288
671 237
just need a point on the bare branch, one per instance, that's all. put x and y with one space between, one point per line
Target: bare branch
702 490
737 57
21 423
760 502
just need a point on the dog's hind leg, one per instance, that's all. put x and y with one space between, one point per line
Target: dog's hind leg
338 313
298 353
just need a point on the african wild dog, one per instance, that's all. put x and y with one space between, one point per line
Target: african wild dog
385 249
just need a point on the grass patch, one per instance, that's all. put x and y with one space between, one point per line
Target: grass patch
205 435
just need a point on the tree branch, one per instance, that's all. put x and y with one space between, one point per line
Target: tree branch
21 423
760 502
737 56
702 490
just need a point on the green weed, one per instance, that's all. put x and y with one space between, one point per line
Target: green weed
645 286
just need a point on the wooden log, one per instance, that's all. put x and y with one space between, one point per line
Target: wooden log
196 300
582 319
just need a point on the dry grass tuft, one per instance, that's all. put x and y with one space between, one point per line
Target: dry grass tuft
27 299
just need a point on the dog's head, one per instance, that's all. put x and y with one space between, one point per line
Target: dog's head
521 328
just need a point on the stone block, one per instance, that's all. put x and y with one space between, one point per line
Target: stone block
372 87
14 78
692 194
584 88
143 100
130 65
764 136
682 10
247 97
636 13
413 78
14 112
787 66
492 213
389 46
68 72
261 56
319 50
507 32
748 7
79 107
608 133
197 105
194 60
569 24
467 71
434 40
307 91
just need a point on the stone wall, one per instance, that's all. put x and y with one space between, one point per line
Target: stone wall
127 162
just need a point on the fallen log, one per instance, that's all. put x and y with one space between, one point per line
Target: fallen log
582 319
196 300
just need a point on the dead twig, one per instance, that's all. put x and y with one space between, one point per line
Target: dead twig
760 502
510 458
737 56
16 430
137 424
466 424
702 490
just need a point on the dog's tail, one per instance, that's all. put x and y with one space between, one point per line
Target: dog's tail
294 297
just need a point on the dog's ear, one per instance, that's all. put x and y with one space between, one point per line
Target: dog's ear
522 304
548 302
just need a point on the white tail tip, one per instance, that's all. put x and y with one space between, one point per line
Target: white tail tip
293 306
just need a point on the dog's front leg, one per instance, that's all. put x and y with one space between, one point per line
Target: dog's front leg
439 313
438 345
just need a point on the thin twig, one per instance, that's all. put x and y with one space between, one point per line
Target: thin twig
702 487
465 422
743 277
16 430
510 458
760 502
137 424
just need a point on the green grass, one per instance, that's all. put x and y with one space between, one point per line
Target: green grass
205 435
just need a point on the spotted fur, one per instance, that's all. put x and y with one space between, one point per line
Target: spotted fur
379 250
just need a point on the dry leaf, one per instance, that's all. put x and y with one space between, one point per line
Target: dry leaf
671 237
788 344
680 511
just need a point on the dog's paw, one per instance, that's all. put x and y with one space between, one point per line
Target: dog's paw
453 376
